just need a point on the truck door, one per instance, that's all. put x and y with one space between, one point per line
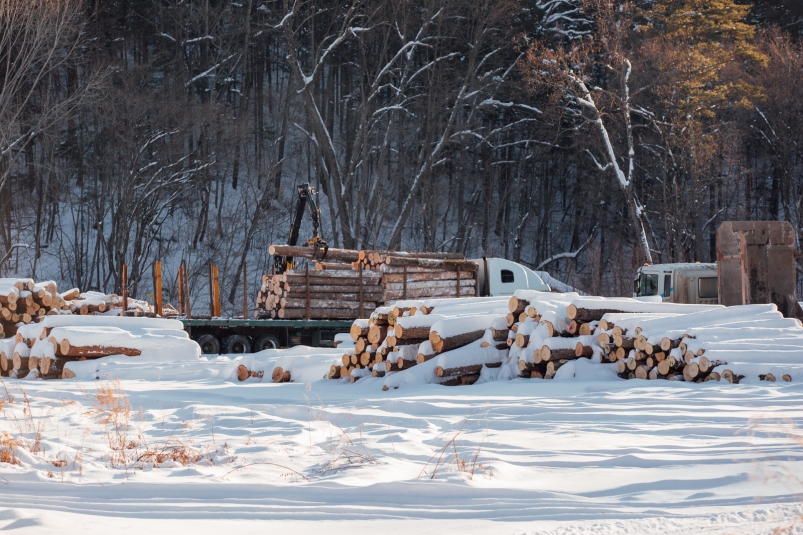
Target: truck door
666 291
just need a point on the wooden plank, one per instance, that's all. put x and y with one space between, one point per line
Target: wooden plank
157 287
124 288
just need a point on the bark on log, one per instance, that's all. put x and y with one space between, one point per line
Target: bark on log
342 278
463 265
411 332
68 350
550 354
426 276
522 340
376 334
279 375
441 345
328 314
344 255
460 370
499 334
623 342
583 351
435 285
516 306
460 381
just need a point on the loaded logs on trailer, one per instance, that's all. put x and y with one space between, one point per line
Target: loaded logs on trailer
349 284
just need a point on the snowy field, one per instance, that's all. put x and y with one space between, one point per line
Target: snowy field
521 456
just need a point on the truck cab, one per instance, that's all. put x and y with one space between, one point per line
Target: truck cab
678 283
497 276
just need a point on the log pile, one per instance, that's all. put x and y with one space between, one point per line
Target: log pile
413 332
535 334
42 349
351 289
24 301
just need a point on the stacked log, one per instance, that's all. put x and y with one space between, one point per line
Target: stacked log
319 294
349 289
635 339
44 348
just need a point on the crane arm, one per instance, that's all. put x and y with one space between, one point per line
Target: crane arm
306 199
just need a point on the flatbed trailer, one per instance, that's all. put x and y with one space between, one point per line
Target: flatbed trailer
220 335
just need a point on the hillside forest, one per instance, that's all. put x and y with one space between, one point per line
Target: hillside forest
580 137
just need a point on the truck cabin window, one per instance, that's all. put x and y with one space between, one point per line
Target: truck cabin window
667 285
648 284
707 288
507 275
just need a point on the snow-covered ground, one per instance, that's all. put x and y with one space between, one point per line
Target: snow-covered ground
535 456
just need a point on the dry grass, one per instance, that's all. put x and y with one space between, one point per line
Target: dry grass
449 455
112 409
7 447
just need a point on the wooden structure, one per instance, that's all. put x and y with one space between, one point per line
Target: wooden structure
756 264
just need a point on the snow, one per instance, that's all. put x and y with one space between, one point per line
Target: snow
573 455
469 355
641 305
463 324
584 452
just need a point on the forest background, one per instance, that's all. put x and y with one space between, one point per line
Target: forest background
581 137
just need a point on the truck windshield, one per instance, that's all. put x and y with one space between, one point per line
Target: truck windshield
648 284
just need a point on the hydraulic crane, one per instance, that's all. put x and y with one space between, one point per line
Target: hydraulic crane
306 199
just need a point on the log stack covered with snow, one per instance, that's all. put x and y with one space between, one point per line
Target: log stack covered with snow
360 282
59 346
537 334
24 301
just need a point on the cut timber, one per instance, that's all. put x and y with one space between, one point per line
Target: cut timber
463 265
442 345
623 341
522 340
462 380
322 304
279 375
642 372
68 350
583 351
550 354
499 334
334 278
376 334
426 276
359 329
553 366
461 370
328 314
516 306
344 255
320 266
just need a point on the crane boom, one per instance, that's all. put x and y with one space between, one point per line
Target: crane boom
306 200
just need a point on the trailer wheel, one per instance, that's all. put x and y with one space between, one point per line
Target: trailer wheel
209 344
266 341
237 343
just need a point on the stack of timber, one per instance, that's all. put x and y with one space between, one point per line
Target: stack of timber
325 294
48 348
347 284
24 301
459 333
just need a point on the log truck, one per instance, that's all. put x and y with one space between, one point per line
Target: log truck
495 277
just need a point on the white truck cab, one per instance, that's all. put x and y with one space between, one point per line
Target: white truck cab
498 276
678 283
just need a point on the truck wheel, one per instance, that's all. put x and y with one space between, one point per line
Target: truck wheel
209 344
266 341
237 343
